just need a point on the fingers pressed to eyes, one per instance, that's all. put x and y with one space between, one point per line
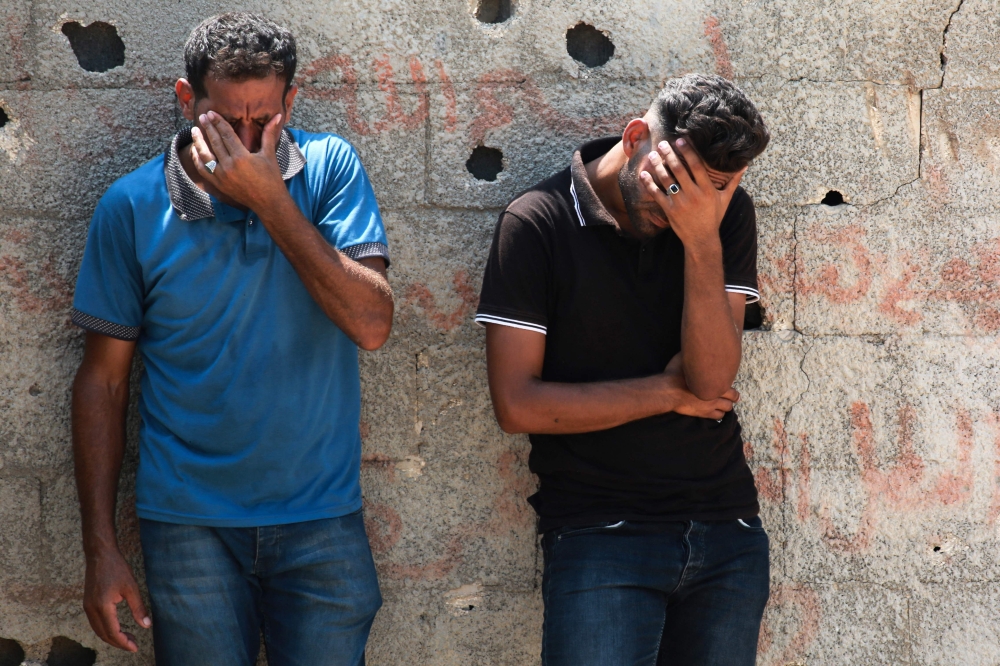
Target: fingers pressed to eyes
201 149
271 134
215 142
232 142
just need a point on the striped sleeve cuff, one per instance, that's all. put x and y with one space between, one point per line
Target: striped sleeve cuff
483 319
752 294
104 327
366 250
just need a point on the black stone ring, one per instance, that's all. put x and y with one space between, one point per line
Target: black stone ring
674 188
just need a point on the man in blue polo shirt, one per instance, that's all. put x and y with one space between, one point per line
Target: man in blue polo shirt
247 265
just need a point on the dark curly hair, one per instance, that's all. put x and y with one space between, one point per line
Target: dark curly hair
718 119
238 46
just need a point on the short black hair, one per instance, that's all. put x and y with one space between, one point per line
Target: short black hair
238 46
718 119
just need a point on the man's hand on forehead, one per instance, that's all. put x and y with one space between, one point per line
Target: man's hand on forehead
689 198
251 179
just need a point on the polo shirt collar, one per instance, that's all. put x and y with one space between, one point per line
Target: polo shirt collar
192 203
589 210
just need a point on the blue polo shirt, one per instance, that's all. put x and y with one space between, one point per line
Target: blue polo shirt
250 397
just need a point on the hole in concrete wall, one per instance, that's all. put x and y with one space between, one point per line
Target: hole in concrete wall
937 549
3 117
833 198
67 652
98 47
753 318
494 11
588 45
11 652
485 163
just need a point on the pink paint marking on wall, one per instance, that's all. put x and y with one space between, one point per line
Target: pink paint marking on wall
494 112
901 486
802 603
346 93
826 280
419 295
451 103
723 64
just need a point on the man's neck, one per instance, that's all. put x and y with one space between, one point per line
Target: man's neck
603 176
187 162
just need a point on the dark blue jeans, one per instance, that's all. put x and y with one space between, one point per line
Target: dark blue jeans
654 594
309 587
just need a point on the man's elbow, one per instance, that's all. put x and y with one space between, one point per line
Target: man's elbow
508 417
708 390
371 340
376 333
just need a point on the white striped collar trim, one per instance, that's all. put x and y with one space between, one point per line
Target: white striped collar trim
483 319
576 201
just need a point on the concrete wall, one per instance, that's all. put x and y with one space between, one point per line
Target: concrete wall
871 403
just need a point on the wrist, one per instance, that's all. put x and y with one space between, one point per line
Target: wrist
99 546
272 205
706 247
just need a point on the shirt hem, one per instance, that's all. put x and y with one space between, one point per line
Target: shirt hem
249 521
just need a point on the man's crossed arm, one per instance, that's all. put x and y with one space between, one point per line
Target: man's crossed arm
697 382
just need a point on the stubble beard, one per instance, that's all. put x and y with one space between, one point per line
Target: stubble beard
631 189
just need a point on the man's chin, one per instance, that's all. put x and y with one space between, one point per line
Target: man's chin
648 227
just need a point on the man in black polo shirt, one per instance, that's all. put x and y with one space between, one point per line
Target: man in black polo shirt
613 301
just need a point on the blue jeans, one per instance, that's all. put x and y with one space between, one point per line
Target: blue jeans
309 587
654 594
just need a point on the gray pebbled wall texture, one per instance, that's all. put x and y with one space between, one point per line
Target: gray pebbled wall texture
871 403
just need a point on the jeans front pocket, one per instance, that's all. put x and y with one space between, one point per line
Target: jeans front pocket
589 529
754 524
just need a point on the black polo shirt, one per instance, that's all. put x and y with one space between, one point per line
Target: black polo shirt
610 308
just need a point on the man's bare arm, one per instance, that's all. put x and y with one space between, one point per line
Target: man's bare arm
712 322
100 401
524 403
355 295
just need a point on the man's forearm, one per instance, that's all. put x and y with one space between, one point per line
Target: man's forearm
555 408
356 298
98 449
709 339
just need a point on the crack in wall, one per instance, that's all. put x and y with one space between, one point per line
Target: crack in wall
944 41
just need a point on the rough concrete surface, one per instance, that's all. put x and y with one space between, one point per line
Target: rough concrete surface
870 403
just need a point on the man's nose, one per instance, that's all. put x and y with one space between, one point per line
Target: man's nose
249 136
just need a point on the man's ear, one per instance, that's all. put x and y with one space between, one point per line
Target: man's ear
185 97
293 90
635 136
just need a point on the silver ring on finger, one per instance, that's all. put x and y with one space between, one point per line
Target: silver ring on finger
210 165
674 188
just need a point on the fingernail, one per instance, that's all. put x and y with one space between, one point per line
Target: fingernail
681 142
654 157
203 118
644 175
664 145
146 622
